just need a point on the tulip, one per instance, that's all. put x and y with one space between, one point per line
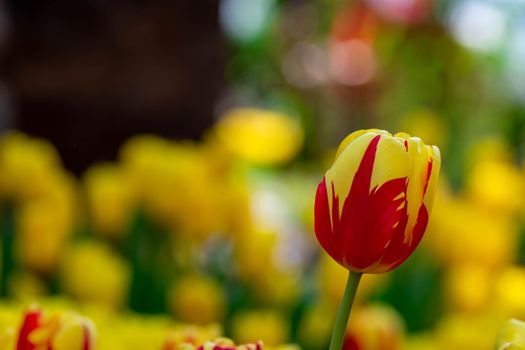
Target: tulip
372 206
60 331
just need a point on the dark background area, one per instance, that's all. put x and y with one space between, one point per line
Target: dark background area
88 74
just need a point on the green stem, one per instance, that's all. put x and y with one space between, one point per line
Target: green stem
338 334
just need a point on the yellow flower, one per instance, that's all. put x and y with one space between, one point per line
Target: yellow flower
176 184
90 271
141 158
45 223
254 252
462 331
27 165
510 288
458 224
372 206
110 199
496 185
511 336
469 287
262 137
271 284
266 325
376 327
197 299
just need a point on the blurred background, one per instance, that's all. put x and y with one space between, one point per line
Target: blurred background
159 160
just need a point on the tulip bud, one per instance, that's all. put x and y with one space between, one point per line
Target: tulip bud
373 204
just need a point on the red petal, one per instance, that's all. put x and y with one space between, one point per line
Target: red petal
30 323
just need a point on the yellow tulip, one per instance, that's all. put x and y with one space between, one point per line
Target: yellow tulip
464 331
91 271
262 137
496 185
45 223
469 287
27 165
110 199
510 288
197 299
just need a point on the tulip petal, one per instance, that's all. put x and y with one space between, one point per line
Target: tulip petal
30 323
341 174
418 181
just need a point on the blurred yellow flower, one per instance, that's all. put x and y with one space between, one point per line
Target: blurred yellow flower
255 257
267 325
176 184
45 223
460 332
197 299
510 289
110 199
489 148
375 327
254 252
91 271
469 287
511 336
462 232
27 165
262 137
141 157
496 185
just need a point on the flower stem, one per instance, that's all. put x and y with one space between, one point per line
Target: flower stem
338 334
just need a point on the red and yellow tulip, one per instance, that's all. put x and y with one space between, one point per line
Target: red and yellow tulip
372 206
59 331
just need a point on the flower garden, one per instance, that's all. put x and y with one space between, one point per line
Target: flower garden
294 221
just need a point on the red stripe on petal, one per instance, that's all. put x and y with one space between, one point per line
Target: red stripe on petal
322 223
398 251
429 172
29 324
87 338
